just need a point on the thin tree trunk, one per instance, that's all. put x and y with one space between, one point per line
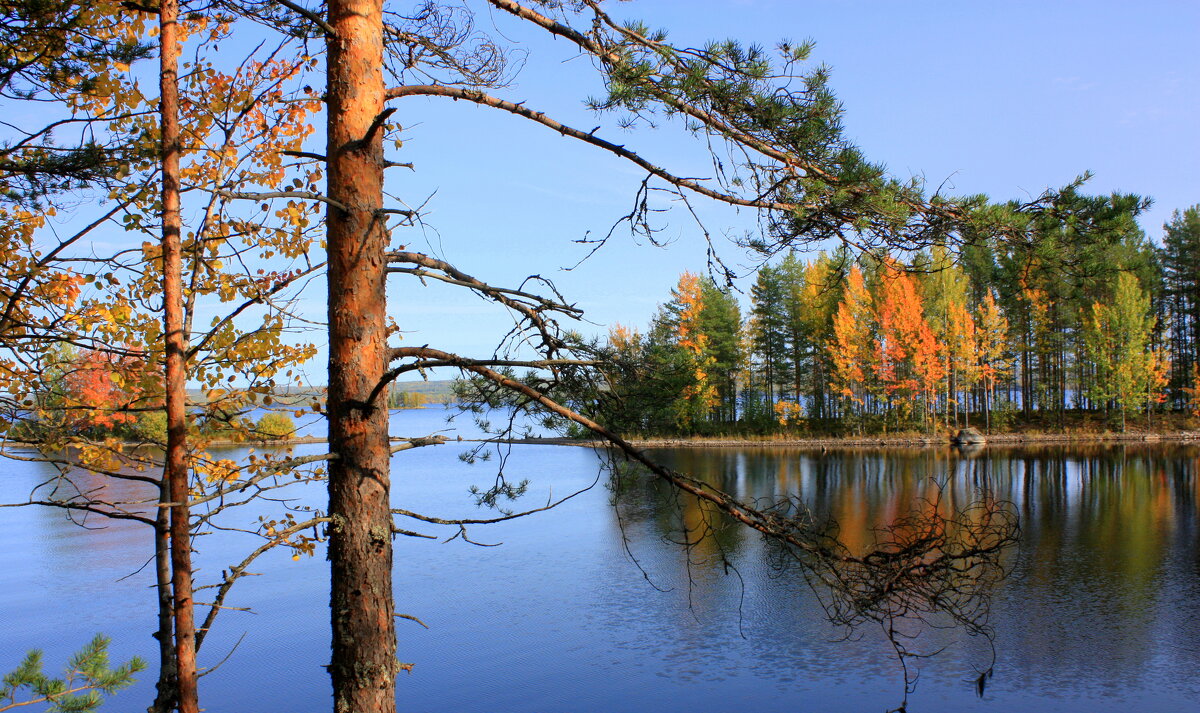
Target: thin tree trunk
797 357
818 387
1027 377
164 699
176 470
363 665
987 410
1061 367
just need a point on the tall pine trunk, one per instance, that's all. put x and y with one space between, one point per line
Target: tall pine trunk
363 665
175 467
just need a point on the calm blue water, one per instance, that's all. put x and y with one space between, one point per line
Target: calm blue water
1101 613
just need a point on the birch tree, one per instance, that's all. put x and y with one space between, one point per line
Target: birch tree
134 312
850 348
1130 373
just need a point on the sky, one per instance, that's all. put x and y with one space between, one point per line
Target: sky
1006 99
1003 98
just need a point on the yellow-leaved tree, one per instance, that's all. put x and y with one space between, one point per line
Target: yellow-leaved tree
1129 370
991 340
222 143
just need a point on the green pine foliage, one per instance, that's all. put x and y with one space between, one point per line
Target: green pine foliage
1076 314
51 50
87 680
1181 296
720 319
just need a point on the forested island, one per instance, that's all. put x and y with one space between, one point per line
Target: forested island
1081 327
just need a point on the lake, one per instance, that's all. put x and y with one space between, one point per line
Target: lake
1101 611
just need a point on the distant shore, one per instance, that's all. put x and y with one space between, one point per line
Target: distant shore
875 441
870 441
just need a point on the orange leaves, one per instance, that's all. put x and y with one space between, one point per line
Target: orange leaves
898 310
297 214
909 352
98 388
687 329
1159 374
884 346
700 395
64 288
927 361
221 470
788 413
851 346
622 338
289 533
239 125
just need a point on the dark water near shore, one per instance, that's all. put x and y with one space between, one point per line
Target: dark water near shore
1101 612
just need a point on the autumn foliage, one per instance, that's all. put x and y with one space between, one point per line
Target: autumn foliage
700 395
99 390
880 345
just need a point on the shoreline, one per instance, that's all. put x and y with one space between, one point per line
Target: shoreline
813 443
885 441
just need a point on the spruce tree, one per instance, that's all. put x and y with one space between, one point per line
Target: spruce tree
1181 271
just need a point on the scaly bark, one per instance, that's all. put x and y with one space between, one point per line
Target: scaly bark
175 468
363 665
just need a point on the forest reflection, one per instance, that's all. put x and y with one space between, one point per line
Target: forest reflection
1106 576
1132 497
1100 611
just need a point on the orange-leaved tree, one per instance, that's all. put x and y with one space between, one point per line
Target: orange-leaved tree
909 367
699 395
99 389
226 281
851 347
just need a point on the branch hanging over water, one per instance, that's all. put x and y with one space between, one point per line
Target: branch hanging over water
934 567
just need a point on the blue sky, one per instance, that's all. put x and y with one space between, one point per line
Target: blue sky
1005 99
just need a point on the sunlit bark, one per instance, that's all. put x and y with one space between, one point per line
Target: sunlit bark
175 468
363 666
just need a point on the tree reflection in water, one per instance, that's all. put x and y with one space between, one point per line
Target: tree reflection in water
922 551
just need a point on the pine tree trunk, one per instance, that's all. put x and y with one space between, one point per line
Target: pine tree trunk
176 469
1026 377
363 665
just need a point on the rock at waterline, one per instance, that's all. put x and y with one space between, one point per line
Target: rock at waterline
968 436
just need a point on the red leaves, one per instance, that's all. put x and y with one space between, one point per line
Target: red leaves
98 387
